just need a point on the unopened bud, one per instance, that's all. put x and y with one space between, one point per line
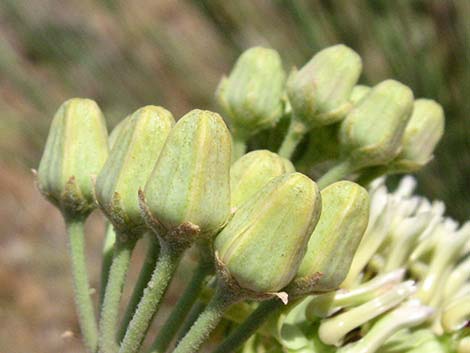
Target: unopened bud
190 182
137 146
264 242
76 149
359 92
331 248
252 95
319 92
423 132
252 171
372 132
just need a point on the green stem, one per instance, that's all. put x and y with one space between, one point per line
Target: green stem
144 277
196 310
338 172
182 308
165 268
239 145
251 324
83 302
108 247
123 248
206 322
295 133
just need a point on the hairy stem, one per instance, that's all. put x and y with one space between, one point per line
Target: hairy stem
108 248
165 268
337 173
83 302
144 277
109 320
206 322
182 308
251 324
295 133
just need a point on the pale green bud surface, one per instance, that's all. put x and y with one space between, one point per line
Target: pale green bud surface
371 134
252 94
137 146
76 149
191 180
319 92
358 92
422 134
252 171
264 242
115 132
342 223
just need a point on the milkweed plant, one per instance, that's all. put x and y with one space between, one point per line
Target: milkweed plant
301 247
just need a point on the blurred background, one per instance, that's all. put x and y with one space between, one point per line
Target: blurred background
126 54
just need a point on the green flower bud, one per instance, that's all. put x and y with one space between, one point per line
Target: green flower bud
319 92
358 92
115 133
252 94
76 149
372 132
342 223
423 132
140 138
262 245
191 182
252 171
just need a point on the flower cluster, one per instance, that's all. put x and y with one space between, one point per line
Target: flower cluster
406 291
265 233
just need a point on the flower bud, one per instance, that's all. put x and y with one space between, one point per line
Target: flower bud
358 92
252 171
191 182
252 94
372 132
76 149
319 92
342 223
115 133
423 132
140 138
262 245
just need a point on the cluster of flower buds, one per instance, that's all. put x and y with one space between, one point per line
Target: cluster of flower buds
406 291
264 231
